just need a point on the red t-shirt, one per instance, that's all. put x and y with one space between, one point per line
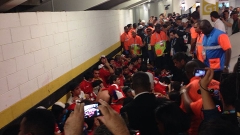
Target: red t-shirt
86 87
116 107
104 74
121 78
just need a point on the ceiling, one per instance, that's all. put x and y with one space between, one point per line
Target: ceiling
66 5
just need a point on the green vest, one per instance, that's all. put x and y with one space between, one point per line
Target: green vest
136 49
160 48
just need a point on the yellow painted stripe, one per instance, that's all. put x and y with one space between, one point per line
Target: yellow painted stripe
12 112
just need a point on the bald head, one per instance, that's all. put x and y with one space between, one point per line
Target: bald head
134 34
190 67
206 27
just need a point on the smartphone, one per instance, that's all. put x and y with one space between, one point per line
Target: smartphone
91 110
200 72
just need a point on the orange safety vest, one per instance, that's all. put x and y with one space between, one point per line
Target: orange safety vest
199 48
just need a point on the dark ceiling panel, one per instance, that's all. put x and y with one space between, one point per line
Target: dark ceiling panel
107 5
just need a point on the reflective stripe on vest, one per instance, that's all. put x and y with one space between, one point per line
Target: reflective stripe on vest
197 44
212 47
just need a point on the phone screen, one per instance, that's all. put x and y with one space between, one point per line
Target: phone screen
199 72
91 111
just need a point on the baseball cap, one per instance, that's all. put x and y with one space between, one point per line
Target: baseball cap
100 66
103 56
143 21
184 20
60 104
140 27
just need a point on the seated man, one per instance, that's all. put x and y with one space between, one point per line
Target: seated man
105 70
76 93
86 86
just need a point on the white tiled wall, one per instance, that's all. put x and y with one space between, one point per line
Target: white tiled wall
36 48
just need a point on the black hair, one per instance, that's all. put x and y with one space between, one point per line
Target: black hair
165 25
197 8
126 89
124 67
176 86
226 11
173 31
88 75
118 71
165 80
130 63
11 130
150 24
217 126
157 72
175 96
95 69
180 56
158 26
134 25
57 111
143 67
73 85
195 15
117 56
39 122
96 83
128 81
134 59
229 92
179 18
125 27
129 25
140 82
172 123
112 78
214 14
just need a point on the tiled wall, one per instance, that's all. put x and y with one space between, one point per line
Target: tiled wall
36 48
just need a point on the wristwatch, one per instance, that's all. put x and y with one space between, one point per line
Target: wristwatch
182 91
226 67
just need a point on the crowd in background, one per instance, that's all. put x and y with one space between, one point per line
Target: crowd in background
152 88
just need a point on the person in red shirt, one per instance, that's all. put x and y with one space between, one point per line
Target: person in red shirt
124 39
116 93
126 71
86 86
96 75
105 70
119 73
136 65
135 44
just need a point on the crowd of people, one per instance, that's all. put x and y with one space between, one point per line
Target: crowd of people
152 88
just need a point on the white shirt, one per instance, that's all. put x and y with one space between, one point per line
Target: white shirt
229 29
218 24
81 96
150 75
